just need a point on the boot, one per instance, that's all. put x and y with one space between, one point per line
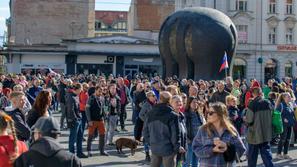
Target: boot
101 145
147 156
89 143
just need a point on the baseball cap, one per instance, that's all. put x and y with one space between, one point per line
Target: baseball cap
47 126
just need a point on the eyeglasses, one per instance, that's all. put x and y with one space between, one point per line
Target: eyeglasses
210 113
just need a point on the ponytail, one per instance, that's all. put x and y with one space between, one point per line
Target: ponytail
4 121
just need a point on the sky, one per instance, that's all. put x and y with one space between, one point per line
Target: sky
119 5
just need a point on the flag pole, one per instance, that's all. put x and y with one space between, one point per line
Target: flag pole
226 72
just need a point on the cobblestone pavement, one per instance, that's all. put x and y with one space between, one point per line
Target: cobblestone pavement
137 160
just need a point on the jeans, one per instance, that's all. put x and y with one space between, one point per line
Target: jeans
191 159
284 141
265 151
138 129
63 111
111 126
76 136
168 161
84 121
123 115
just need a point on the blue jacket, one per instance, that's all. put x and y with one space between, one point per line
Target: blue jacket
203 145
287 113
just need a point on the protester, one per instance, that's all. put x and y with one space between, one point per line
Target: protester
40 107
10 147
221 94
288 119
177 104
83 98
113 106
18 116
46 151
95 117
194 119
73 117
161 131
259 134
147 107
217 143
123 93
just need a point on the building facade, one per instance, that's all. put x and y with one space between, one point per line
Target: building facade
145 17
111 23
36 29
267 35
118 55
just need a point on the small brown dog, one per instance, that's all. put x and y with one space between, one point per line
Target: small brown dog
126 142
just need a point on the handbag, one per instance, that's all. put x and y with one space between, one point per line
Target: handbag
277 123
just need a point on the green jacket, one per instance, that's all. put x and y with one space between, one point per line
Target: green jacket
259 120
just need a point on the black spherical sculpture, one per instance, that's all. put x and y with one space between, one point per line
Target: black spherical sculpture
193 41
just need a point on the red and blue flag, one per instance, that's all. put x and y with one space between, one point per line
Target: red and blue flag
224 63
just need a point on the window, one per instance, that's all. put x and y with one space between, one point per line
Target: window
242 33
241 5
289 36
120 25
289 6
272 6
99 25
272 36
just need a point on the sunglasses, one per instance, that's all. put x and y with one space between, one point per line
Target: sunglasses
211 113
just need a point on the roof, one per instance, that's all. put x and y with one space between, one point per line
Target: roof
119 39
109 17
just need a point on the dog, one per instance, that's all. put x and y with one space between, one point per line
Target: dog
126 142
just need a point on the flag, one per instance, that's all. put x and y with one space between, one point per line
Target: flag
52 72
224 63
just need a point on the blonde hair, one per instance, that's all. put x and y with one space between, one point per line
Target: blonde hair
6 121
281 98
229 98
15 94
221 110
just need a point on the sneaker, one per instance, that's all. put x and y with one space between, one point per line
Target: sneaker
279 156
286 156
104 153
111 144
89 154
116 130
82 155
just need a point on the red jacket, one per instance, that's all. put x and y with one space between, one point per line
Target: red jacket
7 149
83 99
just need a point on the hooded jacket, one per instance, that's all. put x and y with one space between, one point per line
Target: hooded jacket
162 131
46 152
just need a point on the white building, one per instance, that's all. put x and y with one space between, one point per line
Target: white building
266 33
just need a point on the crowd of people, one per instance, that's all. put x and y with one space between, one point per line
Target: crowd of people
179 122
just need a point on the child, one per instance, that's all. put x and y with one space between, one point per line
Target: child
10 147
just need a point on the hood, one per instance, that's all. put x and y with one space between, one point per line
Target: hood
256 84
162 108
46 146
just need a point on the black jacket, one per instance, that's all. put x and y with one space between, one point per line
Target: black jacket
22 128
72 110
219 97
32 117
62 93
162 131
94 109
46 152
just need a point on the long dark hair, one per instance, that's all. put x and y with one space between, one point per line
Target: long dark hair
189 101
42 102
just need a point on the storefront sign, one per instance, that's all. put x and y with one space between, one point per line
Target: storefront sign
287 47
